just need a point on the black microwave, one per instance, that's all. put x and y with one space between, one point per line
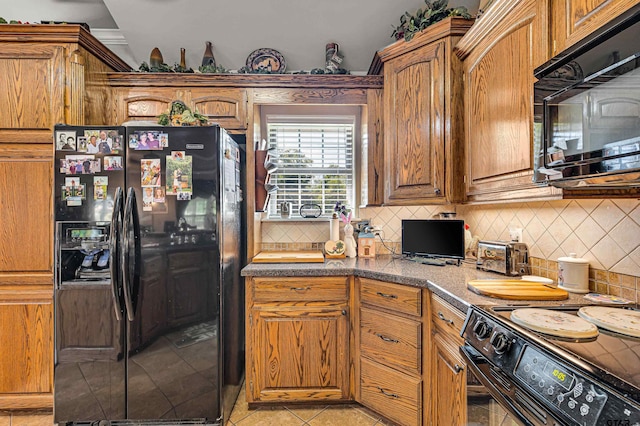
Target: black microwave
587 110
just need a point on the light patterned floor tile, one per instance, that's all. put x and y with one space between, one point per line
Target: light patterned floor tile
305 413
280 417
334 416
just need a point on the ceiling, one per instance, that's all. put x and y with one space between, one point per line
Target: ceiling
298 29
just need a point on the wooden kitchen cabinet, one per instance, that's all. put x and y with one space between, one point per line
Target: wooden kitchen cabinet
423 136
499 55
390 334
50 74
144 97
572 20
297 347
449 378
448 388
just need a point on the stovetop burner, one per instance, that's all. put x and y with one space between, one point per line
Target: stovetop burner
614 353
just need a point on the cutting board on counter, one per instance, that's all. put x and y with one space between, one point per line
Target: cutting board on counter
289 257
516 290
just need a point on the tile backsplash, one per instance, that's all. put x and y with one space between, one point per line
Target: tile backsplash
604 231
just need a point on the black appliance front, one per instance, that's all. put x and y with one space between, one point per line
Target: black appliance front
540 380
587 109
146 343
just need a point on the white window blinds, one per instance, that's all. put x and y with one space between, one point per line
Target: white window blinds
315 164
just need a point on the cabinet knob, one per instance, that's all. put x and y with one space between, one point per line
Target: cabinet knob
437 191
300 288
458 368
344 312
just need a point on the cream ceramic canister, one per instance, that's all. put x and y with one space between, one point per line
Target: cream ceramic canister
573 274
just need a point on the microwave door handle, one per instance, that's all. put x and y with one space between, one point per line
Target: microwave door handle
131 271
500 397
115 245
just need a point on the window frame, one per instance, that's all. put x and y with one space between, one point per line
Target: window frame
318 114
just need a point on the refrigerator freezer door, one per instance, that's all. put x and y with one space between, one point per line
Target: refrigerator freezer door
173 357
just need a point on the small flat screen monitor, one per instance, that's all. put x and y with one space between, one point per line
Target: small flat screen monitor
433 238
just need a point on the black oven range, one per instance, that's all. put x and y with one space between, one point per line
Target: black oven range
540 379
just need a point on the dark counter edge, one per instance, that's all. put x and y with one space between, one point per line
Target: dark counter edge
448 282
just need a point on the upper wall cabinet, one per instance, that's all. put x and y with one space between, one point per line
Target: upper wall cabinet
499 55
575 19
145 96
423 136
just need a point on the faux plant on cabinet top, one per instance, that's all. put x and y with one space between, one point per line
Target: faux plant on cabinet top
433 12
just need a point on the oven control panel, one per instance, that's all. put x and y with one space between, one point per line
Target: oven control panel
579 399
565 392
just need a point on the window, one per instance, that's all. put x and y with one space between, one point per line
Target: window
315 157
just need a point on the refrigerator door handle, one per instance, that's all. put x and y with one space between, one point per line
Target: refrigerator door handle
131 270
114 252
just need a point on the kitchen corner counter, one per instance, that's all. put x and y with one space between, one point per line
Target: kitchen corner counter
448 282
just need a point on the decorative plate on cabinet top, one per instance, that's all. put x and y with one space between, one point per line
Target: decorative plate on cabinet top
266 60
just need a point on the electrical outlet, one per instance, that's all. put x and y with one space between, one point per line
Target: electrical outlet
515 234
376 229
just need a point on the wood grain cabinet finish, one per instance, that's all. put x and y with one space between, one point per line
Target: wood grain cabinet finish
422 105
499 55
448 387
224 106
448 379
391 393
50 74
390 347
297 350
572 20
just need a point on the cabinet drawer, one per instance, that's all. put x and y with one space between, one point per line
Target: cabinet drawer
446 318
300 289
391 340
391 393
396 297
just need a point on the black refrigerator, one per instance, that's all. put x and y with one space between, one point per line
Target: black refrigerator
148 295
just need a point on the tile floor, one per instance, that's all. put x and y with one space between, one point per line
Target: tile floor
333 415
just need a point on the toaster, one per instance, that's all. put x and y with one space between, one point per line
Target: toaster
508 258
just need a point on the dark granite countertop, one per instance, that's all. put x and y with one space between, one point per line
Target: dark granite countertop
448 282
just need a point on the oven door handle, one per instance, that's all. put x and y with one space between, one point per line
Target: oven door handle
475 367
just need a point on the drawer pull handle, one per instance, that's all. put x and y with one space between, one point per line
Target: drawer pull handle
458 368
300 288
388 296
443 318
391 395
387 339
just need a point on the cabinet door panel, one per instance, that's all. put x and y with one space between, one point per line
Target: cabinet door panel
32 96
449 384
226 107
500 103
572 20
300 354
414 138
26 340
25 215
